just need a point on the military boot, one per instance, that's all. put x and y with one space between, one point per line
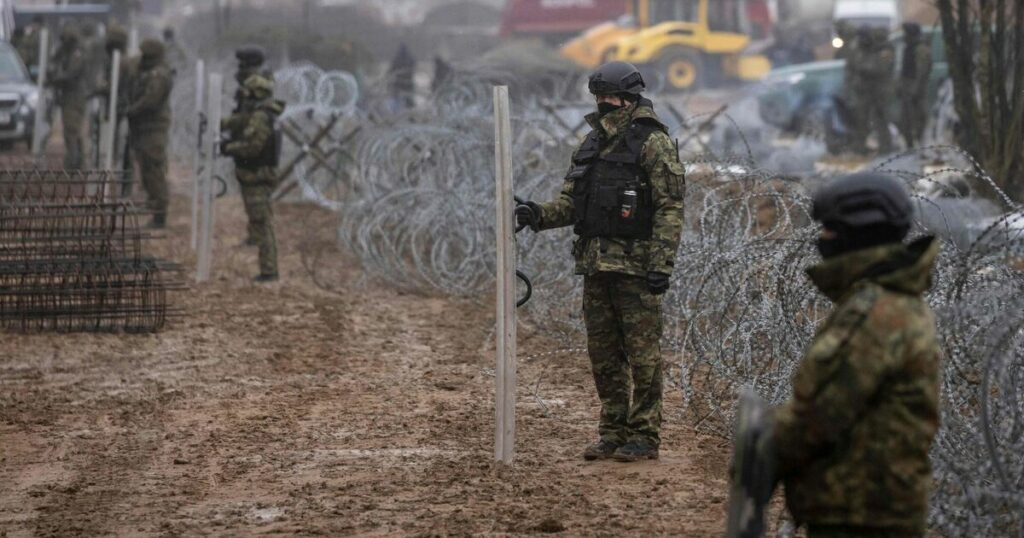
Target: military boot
600 450
159 221
635 451
265 278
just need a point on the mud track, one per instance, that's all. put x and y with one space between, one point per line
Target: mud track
290 410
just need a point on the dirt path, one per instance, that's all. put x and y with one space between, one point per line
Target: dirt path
290 410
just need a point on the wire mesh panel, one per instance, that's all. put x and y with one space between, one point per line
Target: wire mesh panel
71 256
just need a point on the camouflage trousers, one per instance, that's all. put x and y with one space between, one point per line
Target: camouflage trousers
149 149
913 118
72 114
870 112
257 187
624 329
843 531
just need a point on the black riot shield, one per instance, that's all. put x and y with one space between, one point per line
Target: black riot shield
753 467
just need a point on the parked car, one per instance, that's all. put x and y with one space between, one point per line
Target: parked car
19 98
799 98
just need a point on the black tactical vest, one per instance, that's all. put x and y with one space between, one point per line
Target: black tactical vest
612 194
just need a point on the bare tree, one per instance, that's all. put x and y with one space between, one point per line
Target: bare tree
985 49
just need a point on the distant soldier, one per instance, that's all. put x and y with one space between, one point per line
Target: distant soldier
94 54
251 62
852 444
67 77
255 150
443 74
94 57
624 197
149 118
28 45
869 70
915 74
846 34
177 58
401 81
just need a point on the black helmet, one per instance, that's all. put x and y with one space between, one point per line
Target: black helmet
864 209
615 78
250 55
912 30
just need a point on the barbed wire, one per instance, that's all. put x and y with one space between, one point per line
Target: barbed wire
414 195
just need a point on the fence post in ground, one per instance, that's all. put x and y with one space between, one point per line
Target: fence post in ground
200 157
206 199
505 394
109 129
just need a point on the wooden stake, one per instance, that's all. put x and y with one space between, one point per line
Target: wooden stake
41 103
206 214
505 393
197 166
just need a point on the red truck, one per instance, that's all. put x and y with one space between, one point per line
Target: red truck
557 20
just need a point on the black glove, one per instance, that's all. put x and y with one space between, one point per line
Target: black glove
528 214
657 283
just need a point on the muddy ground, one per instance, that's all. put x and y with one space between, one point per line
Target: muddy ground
287 409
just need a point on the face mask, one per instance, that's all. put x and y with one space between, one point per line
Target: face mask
830 248
605 108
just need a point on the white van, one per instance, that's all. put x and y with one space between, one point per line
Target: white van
871 13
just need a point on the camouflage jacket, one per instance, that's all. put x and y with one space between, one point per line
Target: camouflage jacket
67 75
28 49
661 162
148 101
872 64
256 132
853 442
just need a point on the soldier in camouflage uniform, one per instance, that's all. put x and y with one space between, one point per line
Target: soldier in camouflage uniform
28 45
251 61
148 111
67 77
869 88
852 445
624 195
255 151
915 74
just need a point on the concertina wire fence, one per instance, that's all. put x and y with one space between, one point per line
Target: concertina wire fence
415 204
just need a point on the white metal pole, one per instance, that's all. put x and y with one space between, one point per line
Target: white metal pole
207 214
108 141
200 151
133 38
41 104
505 393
